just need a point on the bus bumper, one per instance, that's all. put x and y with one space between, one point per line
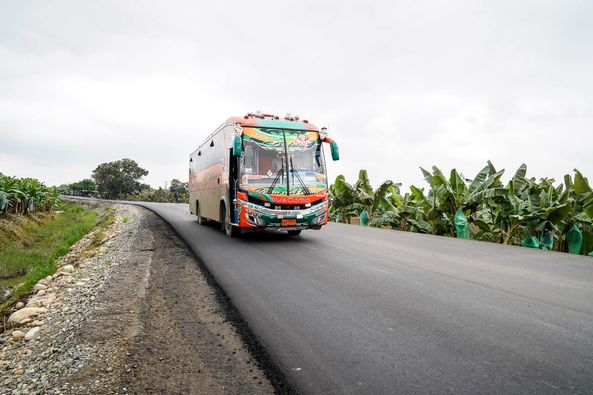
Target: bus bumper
255 217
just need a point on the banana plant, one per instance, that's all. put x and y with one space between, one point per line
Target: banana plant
351 200
525 209
393 212
373 201
344 205
545 214
22 196
578 195
452 194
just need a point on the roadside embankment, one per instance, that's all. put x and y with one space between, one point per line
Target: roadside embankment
136 315
31 244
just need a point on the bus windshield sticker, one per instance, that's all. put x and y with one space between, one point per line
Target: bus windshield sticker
273 139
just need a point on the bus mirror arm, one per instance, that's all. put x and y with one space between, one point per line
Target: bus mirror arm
318 155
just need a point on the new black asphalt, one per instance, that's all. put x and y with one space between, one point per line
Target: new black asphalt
349 309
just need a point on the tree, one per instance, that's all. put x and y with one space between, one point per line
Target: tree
119 178
178 186
179 190
84 185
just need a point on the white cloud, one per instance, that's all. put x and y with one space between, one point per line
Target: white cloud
401 85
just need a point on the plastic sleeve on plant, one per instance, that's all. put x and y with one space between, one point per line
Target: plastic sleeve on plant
547 241
364 218
530 242
574 239
461 225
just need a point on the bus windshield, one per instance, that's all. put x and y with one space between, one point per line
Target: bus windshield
276 159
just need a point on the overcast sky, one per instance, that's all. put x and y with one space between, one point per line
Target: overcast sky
400 84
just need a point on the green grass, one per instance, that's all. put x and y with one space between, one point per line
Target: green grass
107 218
47 238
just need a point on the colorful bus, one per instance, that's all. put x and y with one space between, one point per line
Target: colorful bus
260 172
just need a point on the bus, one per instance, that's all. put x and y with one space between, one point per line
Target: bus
261 172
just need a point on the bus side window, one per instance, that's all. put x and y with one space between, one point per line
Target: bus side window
209 155
250 164
219 147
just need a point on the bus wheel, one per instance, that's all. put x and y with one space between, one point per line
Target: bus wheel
201 220
225 221
294 232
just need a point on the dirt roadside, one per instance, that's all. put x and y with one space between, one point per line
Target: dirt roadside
141 317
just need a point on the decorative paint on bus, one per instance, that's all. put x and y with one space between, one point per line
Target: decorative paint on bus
274 138
259 172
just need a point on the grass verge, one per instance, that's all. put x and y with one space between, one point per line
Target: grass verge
31 245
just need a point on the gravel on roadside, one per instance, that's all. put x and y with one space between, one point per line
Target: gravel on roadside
136 316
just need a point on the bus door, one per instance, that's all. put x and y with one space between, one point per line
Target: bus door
234 162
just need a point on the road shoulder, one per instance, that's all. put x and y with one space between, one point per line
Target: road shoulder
139 317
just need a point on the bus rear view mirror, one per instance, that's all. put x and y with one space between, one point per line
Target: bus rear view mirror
237 146
335 150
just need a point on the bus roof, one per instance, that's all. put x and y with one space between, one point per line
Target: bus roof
272 121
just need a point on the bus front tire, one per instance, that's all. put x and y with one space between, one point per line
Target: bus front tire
225 222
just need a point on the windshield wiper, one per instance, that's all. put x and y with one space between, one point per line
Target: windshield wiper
295 172
280 173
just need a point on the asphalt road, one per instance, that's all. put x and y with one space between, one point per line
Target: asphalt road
360 310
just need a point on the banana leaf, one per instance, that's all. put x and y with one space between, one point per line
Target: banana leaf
457 184
421 225
581 184
363 183
519 179
479 179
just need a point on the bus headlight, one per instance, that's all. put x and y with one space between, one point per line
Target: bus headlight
319 219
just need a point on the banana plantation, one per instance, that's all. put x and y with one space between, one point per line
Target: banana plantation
524 211
25 195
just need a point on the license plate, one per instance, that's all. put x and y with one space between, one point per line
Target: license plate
288 222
